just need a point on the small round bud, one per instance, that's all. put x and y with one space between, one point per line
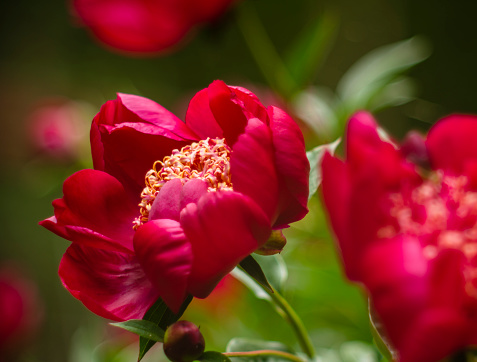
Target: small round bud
183 342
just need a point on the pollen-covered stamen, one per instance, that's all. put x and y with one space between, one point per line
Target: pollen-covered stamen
442 213
207 160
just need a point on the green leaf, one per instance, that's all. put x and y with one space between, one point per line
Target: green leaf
314 157
247 345
212 356
163 317
355 351
275 270
369 75
311 48
314 106
142 328
380 339
250 266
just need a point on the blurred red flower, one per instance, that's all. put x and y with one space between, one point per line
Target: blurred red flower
409 234
20 310
215 187
57 127
145 26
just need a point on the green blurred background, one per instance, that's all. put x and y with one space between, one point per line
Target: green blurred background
44 54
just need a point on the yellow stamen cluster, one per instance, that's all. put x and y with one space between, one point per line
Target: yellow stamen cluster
207 160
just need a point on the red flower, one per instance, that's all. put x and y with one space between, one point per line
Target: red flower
145 26
410 235
215 187
20 311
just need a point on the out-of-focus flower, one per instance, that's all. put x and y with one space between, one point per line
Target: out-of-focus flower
215 186
409 234
145 26
57 127
20 310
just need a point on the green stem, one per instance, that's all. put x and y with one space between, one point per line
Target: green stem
265 352
263 51
287 312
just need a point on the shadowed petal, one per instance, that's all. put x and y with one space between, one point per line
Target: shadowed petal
166 257
252 166
112 285
227 111
199 117
94 206
292 166
223 228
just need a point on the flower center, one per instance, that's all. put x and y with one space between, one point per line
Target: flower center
207 160
442 213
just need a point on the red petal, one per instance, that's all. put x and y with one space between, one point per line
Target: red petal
95 207
130 133
165 255
451 143
199 117
292 166
226 110
252 165
395 272
223 228
112 285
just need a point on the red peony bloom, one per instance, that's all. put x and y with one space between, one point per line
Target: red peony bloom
145 26
410 234
209 190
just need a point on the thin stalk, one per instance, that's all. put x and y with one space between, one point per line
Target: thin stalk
294 320
265 352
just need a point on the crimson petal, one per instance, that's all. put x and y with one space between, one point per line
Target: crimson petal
227 111
199 117
112 285
292 166
252 165
165 255
223 227
95 205
451 143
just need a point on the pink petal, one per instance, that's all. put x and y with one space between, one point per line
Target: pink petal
174 196
95 209
166 257
112 285
451 143
199 117
167 202
252 165
223 228
227 111
292 166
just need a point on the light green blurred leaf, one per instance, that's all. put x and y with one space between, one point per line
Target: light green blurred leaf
398 92
212 356
369 75
142 328
311 48
275 269
314 107
355 351
315 156
246 345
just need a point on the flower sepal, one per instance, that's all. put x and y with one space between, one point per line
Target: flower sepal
274 245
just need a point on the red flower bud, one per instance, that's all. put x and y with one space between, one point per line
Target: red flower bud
183 342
